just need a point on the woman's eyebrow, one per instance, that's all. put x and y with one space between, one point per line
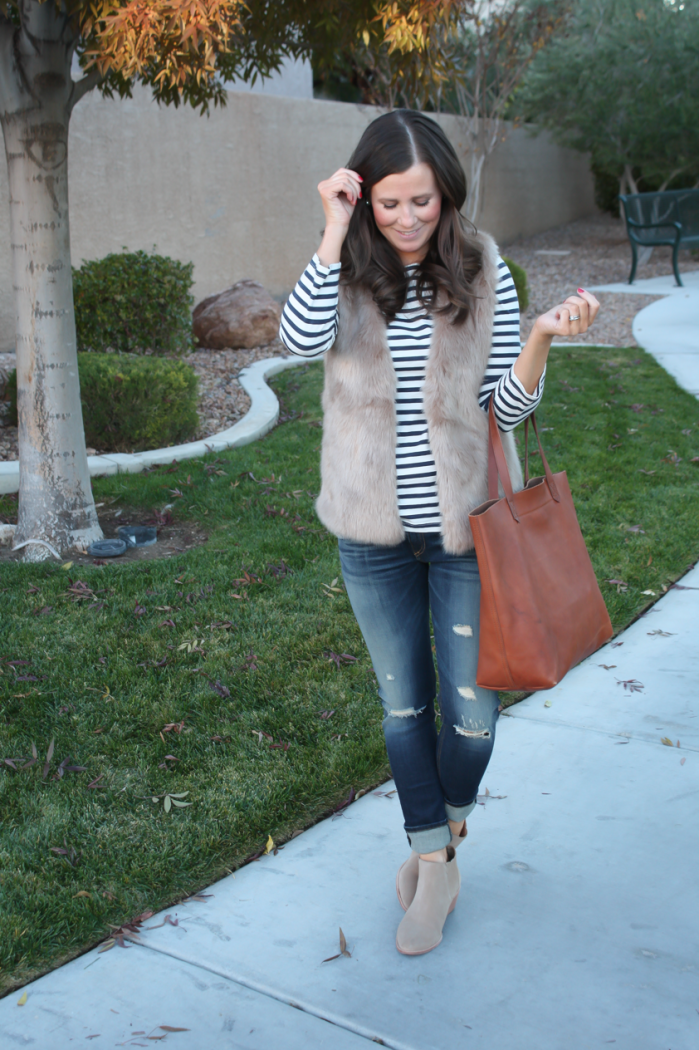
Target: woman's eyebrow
416 197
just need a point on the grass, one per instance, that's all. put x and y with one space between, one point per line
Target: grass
105 673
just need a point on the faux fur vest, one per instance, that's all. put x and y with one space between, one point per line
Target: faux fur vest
359 495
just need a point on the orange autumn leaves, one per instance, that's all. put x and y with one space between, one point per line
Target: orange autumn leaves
175 44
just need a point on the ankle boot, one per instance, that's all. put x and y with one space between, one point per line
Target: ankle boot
438 887
406 879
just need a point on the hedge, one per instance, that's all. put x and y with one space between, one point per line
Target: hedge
132 403
519 276
134 301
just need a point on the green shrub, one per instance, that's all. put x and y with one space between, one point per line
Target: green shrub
133 302
131 403
519 276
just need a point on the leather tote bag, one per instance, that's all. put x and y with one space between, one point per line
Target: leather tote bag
542 611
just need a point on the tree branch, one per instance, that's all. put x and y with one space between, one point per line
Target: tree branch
81 87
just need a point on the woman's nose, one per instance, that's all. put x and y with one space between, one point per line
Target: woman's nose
407 216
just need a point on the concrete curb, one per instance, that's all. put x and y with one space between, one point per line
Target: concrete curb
260 418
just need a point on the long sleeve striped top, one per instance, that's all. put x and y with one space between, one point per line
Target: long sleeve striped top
309 327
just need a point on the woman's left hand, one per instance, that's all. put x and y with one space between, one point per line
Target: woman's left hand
573 317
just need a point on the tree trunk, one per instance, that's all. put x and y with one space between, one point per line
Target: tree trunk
37 94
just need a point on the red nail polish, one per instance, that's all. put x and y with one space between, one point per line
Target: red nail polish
581 290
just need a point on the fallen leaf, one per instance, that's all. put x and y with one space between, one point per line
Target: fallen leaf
661 634
22 999
67 565
167 921
346 803
222 690
666 740
49 756
270 844
171 1028
342 951
82 893
652 593
607 667
548 703
201 897
632 684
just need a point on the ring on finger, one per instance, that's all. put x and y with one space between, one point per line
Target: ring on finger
574 317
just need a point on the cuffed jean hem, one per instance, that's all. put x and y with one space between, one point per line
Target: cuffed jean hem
429 840
459 812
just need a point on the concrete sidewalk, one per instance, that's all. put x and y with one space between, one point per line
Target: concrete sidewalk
577 926
669 328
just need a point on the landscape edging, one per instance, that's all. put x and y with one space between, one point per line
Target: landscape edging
258 420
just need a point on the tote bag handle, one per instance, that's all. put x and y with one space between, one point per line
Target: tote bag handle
497 464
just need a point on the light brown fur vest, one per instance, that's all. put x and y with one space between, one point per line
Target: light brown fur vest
359 497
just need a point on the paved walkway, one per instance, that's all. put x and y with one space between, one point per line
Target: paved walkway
669 328
577 926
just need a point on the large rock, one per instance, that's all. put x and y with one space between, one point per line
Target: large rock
240 317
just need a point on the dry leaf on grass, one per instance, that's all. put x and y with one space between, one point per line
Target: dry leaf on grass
49 756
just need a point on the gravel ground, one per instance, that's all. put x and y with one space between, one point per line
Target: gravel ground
598 253
592 251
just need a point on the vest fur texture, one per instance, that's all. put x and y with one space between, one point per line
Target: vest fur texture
359 494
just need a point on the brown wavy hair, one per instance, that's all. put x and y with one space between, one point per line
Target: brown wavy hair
390 145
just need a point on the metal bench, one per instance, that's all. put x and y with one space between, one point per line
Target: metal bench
667 217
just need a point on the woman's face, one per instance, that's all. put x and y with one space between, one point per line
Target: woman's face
407 207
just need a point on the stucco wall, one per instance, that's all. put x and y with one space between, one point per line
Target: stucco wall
236 191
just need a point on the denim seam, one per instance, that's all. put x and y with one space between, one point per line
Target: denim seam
426 827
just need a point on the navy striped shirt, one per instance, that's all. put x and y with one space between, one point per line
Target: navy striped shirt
309 327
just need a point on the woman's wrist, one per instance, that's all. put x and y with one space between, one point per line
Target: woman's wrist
529 366
331 244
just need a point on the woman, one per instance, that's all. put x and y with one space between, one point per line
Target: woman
420 322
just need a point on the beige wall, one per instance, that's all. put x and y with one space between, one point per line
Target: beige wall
236 192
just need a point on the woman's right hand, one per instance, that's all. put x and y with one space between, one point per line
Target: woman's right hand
339 195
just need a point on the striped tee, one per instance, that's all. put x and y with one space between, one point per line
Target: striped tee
309 327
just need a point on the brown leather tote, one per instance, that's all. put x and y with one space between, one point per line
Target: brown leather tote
542 611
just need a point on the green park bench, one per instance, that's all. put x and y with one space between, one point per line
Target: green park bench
666 217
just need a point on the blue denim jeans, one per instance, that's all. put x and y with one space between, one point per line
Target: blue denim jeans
392 591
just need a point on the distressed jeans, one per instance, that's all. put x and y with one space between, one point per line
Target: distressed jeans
392 591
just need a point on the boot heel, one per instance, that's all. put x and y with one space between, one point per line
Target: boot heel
453 904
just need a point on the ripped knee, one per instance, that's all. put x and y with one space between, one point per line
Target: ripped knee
474 734
405 712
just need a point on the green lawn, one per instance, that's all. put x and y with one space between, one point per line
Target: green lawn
105 675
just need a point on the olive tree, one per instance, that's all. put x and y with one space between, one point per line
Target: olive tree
622 83
184 50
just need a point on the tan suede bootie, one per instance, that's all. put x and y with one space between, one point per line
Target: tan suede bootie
406 879
438 886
